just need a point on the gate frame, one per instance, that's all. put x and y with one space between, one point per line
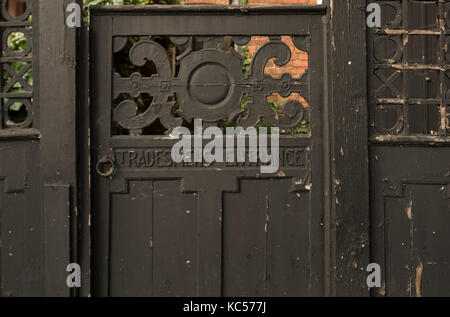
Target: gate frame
128 20
346 182
58 55
63 133
349 158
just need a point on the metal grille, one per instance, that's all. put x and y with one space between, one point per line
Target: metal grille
409 70
206 77
16 65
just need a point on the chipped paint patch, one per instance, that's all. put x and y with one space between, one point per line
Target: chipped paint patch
409 210
382 290
419 272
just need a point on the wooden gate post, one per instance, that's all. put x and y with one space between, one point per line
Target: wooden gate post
349 219
58 101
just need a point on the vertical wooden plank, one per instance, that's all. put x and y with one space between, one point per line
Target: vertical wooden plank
289 241
2 212
2 248
13 240
210 242
431 258
100 40
20 220
267 248
176 263
83 158
416 250
397 244
244 248
57 98
56 239
319 194
132 241
347 93
379 225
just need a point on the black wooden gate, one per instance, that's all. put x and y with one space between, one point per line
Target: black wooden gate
38 181
140 224
198 229
409 154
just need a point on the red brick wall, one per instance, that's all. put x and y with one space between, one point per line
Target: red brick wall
296 66
281 2
250 2
221 2
16 7
299 60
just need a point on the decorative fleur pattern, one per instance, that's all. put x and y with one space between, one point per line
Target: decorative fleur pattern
208 84
16 67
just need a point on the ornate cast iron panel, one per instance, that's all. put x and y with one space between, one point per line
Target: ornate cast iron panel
209 85
176 229
409 70
16 66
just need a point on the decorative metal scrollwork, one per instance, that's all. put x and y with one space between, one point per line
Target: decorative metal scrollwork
408 84
209 84
16 66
